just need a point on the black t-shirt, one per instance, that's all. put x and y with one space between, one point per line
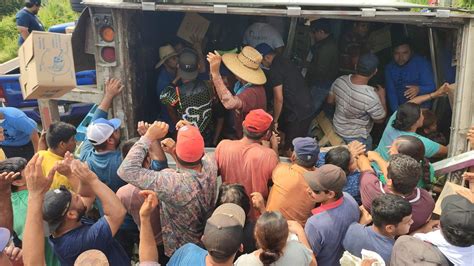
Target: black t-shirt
297 102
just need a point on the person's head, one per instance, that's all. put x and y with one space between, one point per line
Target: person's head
430 122
267 52
320 29
409 117
61 138
127 145
15 165
325 183
188 64
62 208
168 57
413 147
392 214
402 52
256 125
33 5
361 28
223 233
246 66
403 173
457 220
306 152
340 156
92 257
189 146
367 65
104 134
271 234
234 193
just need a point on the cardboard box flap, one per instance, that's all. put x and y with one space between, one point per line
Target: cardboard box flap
449 189
28 50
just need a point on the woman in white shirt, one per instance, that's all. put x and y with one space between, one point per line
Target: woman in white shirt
280 242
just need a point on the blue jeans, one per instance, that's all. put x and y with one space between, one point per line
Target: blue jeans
367 141
319 93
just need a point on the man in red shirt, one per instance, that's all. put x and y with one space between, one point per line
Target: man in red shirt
248 93
402 177
247 161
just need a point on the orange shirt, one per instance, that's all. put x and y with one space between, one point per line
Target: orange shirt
288 194
248 164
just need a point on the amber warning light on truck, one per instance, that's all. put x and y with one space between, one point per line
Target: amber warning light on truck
106 40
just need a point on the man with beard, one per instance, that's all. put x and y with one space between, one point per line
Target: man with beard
63 211
101 152
27 21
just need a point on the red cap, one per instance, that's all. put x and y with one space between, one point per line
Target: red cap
257 121
189 144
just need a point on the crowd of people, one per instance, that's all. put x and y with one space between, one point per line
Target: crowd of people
64 204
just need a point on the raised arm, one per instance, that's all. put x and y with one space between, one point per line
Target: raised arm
131 169
296 228
114 211
364 164
227 99
6 211
33 235
374 156
147 251
113 87
441 91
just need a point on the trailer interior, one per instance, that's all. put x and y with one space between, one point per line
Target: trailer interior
141 28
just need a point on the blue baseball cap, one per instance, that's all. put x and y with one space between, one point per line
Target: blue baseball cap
264 49
367 64
306 149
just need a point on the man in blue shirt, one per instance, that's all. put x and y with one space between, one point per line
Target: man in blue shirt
222 238
20 133
27 21
407 76
328 225
101 152
70 234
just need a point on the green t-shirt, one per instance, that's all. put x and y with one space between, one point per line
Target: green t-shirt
20 204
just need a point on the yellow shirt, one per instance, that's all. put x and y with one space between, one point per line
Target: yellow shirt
49 160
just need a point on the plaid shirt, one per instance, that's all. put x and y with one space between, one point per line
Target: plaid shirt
186 197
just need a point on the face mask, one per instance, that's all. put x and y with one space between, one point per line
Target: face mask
239 88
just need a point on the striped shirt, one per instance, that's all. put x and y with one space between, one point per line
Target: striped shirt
356 108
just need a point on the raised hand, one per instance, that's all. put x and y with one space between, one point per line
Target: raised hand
182 123
356 148
157 131
150 203
257 201
168 145
64 167
214 60
82 172
113 87
142 127
6 180
36 182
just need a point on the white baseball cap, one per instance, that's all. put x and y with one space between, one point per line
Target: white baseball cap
101 129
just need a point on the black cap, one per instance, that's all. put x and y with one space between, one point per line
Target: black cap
55 205
457 213
188 64
33 2
14 164
321 24
367 64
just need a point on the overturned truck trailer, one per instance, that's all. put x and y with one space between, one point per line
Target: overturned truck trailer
121 39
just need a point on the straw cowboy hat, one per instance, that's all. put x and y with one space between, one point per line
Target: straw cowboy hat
91 257
166 52
246 65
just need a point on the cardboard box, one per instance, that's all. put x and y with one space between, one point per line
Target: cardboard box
193 25
449 189
46 65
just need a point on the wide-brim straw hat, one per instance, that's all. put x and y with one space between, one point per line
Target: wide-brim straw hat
166 52
92 257
246 65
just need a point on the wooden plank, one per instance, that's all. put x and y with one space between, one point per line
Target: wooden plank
328 129
455 163
9 66
49 112
84 94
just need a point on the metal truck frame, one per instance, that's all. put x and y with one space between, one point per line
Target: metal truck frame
124 16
